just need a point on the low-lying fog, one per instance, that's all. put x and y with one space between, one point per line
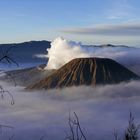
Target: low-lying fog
45 113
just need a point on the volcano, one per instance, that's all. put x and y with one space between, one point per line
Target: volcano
86 71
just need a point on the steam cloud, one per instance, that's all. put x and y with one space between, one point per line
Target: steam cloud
62 51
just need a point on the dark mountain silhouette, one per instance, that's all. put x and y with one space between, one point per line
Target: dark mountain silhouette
86 71
25 52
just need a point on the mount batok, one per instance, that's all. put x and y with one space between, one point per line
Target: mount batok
86 71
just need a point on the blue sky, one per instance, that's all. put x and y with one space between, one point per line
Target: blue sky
88 21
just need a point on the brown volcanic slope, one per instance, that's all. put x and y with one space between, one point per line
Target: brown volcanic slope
86 71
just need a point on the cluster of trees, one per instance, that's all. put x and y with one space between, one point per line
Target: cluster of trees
76 132
5 57
131 132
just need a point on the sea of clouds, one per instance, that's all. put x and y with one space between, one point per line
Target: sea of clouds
45 113
100 110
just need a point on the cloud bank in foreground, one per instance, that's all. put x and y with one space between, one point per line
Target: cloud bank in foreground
100 110
63 51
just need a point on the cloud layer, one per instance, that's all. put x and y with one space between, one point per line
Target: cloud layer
128 29
100 110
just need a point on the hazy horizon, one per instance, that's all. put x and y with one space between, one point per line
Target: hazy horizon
92 44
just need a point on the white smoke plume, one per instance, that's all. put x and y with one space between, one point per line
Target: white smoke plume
62 51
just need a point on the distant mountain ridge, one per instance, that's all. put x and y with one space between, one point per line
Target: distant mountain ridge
86 71
25 43
25 77
26 51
